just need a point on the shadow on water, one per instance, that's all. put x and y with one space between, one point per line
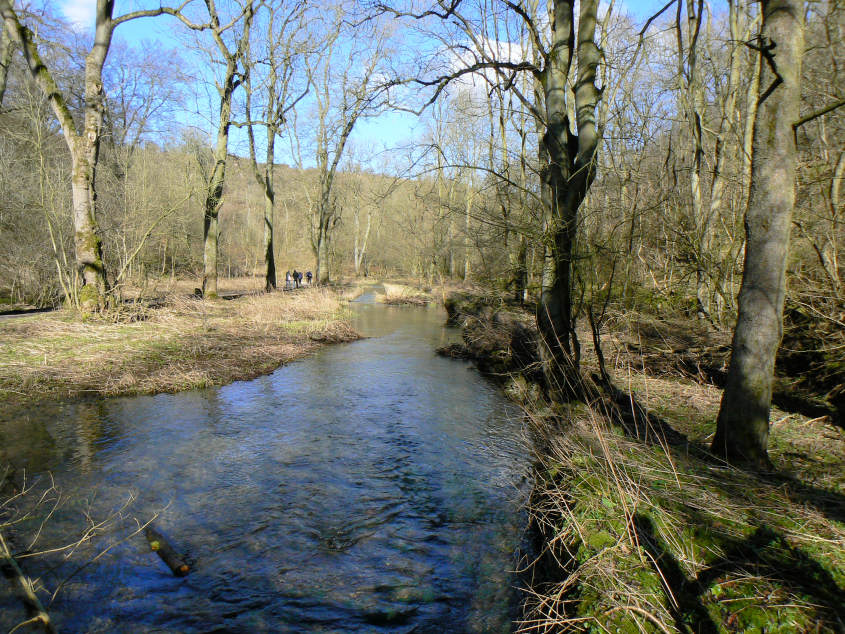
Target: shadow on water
372 487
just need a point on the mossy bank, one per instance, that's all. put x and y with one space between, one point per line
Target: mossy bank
636 527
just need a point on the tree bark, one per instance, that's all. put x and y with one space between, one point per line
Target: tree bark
269 209
569 174
323 246
743 424
214 191
6 49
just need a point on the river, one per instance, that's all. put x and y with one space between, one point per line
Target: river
372 487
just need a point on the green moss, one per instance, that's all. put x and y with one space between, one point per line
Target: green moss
600 540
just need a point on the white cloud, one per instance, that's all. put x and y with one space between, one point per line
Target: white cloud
477 84
80 13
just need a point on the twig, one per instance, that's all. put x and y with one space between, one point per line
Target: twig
24 586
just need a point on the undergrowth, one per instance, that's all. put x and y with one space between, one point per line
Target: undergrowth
660 536
636 527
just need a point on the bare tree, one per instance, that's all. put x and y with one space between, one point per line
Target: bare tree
569 174
84 145
281 47
343 93
231 55
743 425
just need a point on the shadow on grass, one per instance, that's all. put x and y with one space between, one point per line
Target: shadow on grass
829 503
641 424
636 420
765 553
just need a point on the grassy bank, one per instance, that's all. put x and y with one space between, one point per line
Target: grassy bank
403 294
637 528
182 344
656 536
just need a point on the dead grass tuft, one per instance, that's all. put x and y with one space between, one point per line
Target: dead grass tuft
183 344
402 294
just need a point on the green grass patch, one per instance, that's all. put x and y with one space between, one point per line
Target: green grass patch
666 539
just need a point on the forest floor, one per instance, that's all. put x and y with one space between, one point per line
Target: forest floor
178 343
636 526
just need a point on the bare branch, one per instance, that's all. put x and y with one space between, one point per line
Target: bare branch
818 113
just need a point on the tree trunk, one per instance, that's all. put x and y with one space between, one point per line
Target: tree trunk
360 242
743 425
214 193
5 58
269 205
323 248
89 250
569 174
467 209
720 154
520 276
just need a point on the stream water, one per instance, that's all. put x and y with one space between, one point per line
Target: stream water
372 487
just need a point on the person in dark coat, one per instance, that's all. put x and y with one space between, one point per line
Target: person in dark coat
308 277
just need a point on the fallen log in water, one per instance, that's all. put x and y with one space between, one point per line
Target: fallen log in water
160 544
26 591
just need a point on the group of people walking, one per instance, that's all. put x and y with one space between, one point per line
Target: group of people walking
295 280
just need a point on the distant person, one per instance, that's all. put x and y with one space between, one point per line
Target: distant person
308 277
297 276
288 279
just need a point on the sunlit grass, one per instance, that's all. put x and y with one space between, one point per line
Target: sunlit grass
648 532
184 344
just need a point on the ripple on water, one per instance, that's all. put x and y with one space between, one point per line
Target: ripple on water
372 487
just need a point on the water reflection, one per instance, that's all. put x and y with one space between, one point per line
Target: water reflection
373 487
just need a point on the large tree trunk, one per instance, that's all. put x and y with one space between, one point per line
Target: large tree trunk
568 176
214 193
89 250
743 425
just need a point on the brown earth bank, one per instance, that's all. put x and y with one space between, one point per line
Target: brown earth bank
635 526
178 343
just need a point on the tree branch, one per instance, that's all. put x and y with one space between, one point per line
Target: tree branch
818 113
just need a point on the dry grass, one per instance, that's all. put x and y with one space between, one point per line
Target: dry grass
644 537
184 344
169 287
651 537
399 294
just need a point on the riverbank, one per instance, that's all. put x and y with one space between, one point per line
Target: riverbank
636 527
182 343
